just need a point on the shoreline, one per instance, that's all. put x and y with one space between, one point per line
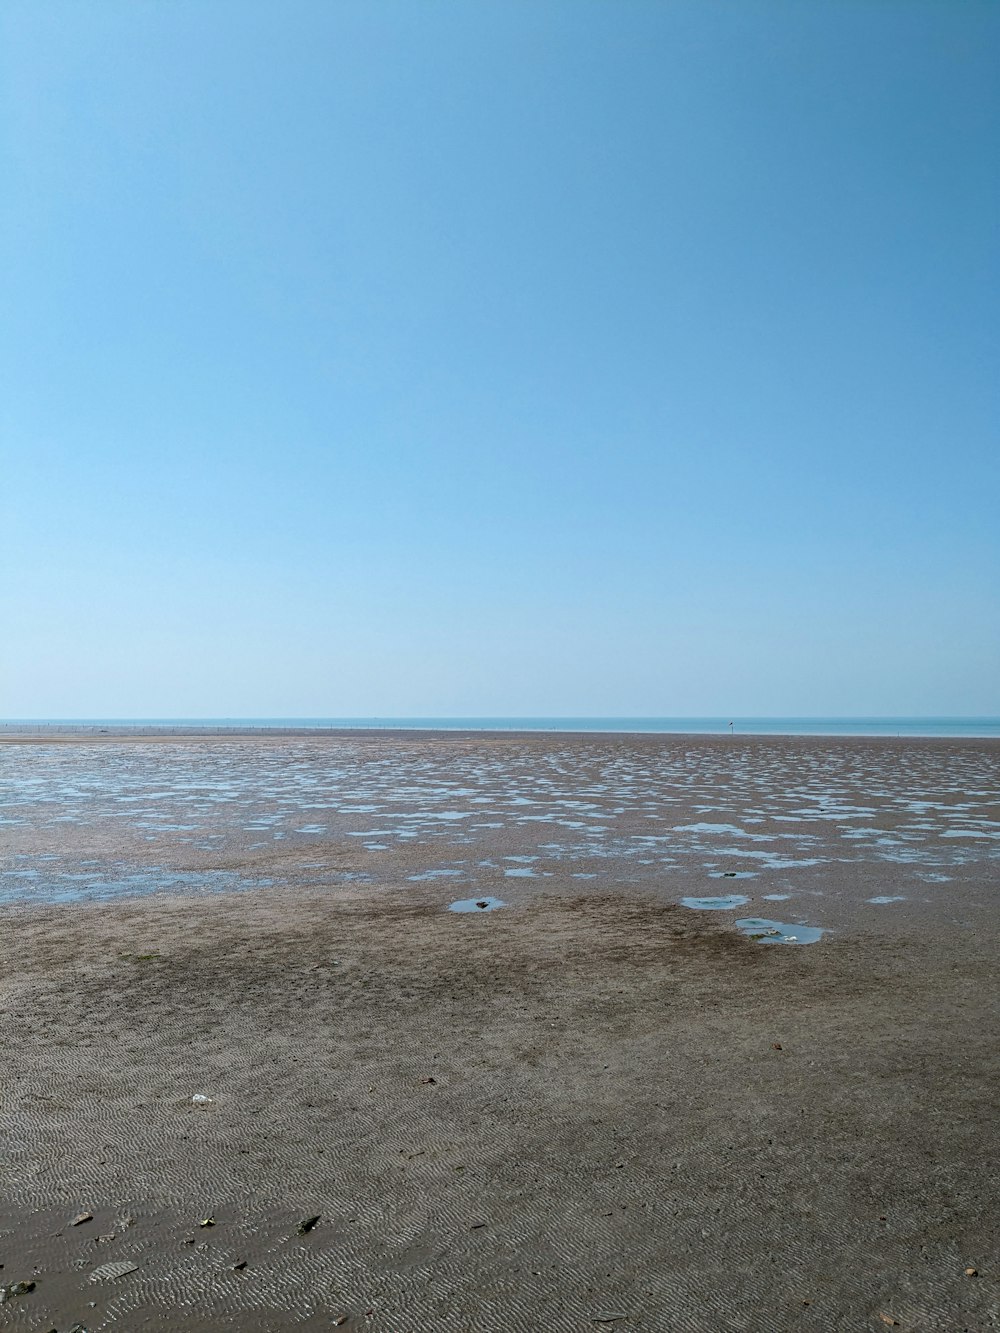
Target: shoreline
128 734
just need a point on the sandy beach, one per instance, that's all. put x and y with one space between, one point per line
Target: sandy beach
594 1107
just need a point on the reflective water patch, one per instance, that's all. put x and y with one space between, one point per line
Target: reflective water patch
476 905
778 932
120 881
724 904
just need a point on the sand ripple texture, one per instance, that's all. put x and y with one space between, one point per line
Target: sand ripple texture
602 1112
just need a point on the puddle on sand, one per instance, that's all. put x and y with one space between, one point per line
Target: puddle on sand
778 932
732 874
724 904
776 897
476 905
884 898
115 881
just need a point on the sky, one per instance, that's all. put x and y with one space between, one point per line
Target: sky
499 357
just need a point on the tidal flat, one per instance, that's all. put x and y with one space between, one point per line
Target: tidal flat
233 999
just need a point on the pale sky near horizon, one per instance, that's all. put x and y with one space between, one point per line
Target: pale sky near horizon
521 357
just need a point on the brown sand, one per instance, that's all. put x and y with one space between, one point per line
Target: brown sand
584 1112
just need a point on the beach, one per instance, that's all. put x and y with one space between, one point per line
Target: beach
242 1029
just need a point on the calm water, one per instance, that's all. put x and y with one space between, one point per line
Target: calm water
757 726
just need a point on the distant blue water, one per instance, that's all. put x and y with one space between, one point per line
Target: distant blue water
757 726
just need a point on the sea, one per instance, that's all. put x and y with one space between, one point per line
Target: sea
750 726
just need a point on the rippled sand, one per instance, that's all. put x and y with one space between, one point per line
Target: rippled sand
589 1102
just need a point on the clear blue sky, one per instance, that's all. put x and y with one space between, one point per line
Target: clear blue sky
528 357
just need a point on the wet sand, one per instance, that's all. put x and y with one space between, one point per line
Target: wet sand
592 1108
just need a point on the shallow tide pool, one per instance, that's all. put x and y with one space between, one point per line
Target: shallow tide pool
725 903
778 932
